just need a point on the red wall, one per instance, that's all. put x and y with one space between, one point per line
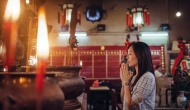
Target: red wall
94 65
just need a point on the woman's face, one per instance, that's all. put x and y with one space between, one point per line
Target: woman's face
132 59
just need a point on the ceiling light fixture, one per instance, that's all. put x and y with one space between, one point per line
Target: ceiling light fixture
94 13
178 14
27 1
64 17
152 34
78 34
67 9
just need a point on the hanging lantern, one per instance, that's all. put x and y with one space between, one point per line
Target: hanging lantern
140 16
137 14
67 9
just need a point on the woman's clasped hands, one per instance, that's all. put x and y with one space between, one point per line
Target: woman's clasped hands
125 74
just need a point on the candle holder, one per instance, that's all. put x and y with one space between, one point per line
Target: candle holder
17 57
68 79
18 92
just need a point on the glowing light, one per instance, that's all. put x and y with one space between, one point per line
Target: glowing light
154 34
80 63
14 81
21 80
78 34
178 14
42 36
12 10
4 69
68 8
27 1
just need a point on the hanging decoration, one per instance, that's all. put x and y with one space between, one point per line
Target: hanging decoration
58 16
178 13
79 18
64 16
127 43
94 13
127 18
137 16
138 39
181 46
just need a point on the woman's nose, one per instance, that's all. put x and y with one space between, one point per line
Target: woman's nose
127 57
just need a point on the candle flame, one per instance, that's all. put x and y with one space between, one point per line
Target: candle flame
42 36
12 11
80 63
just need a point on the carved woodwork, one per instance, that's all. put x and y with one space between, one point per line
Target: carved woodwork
72 40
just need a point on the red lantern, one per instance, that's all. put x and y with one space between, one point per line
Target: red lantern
139 16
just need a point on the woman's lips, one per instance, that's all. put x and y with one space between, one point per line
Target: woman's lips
128 62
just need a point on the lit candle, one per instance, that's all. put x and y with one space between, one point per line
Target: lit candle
10 29
80 63
5 69
42 48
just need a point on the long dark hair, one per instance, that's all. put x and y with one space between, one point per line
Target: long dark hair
143 54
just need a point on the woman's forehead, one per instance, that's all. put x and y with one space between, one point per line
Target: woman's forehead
130 49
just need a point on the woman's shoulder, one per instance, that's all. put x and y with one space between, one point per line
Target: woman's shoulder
148 75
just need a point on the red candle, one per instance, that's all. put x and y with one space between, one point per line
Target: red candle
42 48
10 30
40 75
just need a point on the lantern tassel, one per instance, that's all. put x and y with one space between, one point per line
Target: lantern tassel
148 18
58 16
145 16
130 21
127 18
79 18
127 43
138 39
63 17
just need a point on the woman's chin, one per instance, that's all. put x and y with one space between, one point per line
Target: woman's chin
131 65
